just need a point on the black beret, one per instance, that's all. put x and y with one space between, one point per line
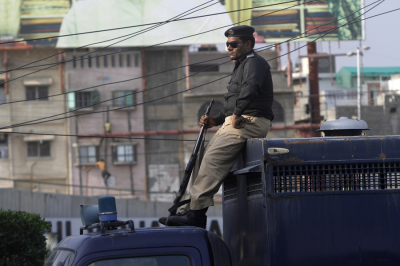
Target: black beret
240 31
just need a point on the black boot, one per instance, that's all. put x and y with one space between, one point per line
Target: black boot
196 218
163 220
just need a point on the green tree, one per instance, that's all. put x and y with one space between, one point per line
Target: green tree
22 239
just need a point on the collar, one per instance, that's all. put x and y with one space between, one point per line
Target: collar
249 54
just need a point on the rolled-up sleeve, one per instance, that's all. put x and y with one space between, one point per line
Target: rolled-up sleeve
253 78
219 118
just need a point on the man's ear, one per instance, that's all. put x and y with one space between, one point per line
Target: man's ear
248 44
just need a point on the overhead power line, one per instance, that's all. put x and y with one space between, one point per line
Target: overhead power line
142 25
131 79
131 49
328 31
30 122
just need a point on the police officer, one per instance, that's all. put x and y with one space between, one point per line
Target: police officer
247 114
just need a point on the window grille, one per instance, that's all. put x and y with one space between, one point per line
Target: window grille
336 177
38 148
125 153
124 98
88 154
37 93
83 99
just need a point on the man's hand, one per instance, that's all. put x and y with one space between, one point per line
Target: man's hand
239 121
207 120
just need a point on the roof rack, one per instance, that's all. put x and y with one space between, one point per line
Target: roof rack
108 226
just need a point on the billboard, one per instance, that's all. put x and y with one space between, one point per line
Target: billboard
31 19
287 20
274 21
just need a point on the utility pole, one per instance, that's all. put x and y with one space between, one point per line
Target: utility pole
314 85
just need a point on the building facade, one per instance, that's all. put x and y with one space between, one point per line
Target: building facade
25 154
103 92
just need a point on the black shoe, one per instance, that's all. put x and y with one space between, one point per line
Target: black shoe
196 218
163 220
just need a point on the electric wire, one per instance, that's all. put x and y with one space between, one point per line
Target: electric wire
225 76
21 124
131 79
131 49
130 36
142 25
137 104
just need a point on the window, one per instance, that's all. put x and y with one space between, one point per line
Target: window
89 61
38 93
124 98
3 97
128 60
97 61
113 60
88 154
82 61
3 146
60 257
38 148
171 260
83 99
136 60
74 61
125 153
105 61
121 60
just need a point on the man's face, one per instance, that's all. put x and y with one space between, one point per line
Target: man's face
240 50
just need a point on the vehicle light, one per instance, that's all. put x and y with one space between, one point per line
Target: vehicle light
107 209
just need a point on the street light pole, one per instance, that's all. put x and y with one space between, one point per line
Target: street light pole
358 53
358 85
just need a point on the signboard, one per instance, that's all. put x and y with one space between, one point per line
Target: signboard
278 23
30 19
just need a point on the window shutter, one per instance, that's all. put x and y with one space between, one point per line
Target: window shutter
129 98
95 98
71 100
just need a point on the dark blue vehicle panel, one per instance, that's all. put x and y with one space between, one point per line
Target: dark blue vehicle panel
194 242
328 201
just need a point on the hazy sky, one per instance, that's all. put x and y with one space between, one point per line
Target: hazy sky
382 35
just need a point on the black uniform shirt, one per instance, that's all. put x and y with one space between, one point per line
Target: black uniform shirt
250 90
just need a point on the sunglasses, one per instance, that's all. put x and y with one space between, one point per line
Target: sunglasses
232 44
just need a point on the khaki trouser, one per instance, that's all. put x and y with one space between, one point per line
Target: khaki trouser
220 155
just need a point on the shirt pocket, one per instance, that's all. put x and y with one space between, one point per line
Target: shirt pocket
234 87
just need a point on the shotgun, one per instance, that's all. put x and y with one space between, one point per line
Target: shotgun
189 169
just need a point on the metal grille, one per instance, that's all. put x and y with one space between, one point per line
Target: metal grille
230 189
254 185
336 177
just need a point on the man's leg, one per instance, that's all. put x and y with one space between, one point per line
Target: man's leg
186 208
216 165
220 159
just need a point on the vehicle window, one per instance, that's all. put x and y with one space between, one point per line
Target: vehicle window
145 261
60 258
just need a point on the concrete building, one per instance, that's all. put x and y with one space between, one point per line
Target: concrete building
103 92
32 157
340 89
